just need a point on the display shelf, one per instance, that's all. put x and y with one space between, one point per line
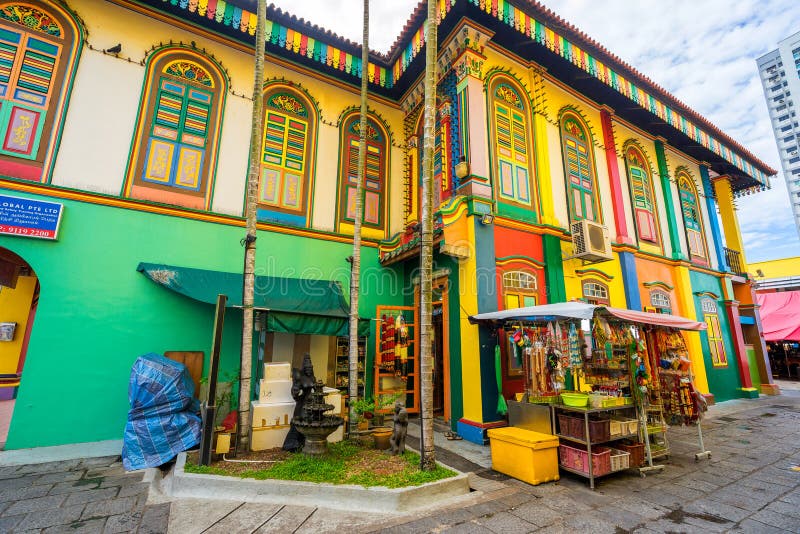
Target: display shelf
342 366
610 440
587 441
585 475
588 410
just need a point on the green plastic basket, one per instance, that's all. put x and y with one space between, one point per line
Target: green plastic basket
575 399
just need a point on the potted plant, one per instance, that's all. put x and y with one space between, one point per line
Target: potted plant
364 410
384 405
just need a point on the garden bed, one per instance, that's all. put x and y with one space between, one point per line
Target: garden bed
347 462
351 477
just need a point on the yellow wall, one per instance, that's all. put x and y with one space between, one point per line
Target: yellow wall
15 305
470 345
776 268
611 276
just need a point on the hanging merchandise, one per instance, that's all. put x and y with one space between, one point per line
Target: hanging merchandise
401 346
502 407
575 358
387 343
676 391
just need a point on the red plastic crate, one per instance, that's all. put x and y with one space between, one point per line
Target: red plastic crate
636 450
570 426
599 431
578 459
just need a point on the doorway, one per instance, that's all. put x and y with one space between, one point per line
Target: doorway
438 360
440 349
19 298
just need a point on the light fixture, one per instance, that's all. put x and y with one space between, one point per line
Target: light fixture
462 168
487 219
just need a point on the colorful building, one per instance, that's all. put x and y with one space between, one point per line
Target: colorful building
560 173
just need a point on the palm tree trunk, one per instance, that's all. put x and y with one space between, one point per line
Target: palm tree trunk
427 460
248 289
355 272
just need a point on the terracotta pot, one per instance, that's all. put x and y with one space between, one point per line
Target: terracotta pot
380 436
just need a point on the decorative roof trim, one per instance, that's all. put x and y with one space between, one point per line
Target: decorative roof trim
594 272
658 284
505 260
666 106
538 31
707 294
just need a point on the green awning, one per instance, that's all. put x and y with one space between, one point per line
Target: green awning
296 305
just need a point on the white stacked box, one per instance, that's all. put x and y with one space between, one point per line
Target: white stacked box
334 396
272 414
278 371
270 391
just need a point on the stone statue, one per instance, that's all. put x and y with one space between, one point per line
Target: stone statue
398 439
302 386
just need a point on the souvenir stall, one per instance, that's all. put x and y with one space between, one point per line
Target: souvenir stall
396 365
613 380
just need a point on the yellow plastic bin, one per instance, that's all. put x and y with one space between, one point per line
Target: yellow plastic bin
524 454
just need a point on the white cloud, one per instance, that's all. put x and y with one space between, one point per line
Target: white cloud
703 52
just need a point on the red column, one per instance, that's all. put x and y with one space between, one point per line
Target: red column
613 175
732 308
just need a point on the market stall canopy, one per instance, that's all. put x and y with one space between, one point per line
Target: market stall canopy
780 315
658 319
582 310
295 305
544 312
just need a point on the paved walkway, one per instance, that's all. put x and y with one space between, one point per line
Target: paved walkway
747 486
92 495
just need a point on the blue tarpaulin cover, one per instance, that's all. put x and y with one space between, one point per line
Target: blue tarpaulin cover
163 418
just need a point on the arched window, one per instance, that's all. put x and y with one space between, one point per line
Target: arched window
513 163
692 220
374 186
660 301
174 152
576 146
595 292
519 289
641 194
715 343
286 157
39 49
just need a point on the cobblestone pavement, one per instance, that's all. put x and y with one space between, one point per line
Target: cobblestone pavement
746 486
93 495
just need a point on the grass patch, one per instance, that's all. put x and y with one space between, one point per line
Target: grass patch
347 462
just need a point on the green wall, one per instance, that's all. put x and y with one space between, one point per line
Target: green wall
97 314
723 382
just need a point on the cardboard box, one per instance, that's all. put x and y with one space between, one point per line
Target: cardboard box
278 371
334 396
275 391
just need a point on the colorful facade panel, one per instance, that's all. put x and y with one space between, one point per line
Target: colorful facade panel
39 50
174 153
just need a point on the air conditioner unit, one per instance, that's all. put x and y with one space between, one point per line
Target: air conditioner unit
591 242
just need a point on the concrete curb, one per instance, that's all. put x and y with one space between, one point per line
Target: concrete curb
59 453
180 484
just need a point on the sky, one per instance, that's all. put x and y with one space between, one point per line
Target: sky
701 51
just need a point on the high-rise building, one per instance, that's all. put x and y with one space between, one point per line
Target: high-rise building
780 76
